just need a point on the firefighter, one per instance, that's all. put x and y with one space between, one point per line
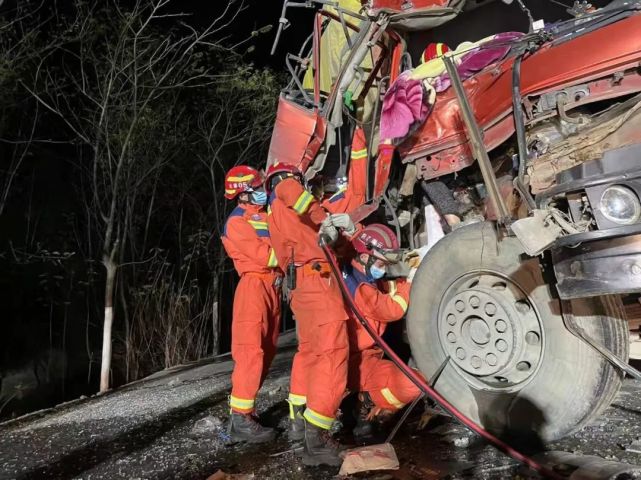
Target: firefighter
319 370
348 197
383 388
256 311
354 193
434 50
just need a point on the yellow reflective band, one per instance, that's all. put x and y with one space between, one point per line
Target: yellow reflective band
392 287
244 178
272 261
297 399
340 191
401 301
303 202
439 49
391 399
258 225
321 421
269 210
230 191
356 154
243 404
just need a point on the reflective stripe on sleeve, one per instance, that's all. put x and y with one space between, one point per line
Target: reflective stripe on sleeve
397 298
303 202
401 302
391 399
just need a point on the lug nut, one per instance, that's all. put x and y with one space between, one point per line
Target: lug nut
532 338
501 345
460 354
451 337
475 301
490 309
460 306
500 326
476 362
451 319
491 359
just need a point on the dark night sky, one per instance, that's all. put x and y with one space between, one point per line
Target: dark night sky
264 12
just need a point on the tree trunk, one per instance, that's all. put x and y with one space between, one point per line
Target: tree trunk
108 323
215 317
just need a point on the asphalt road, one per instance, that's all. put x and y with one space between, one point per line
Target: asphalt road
173 426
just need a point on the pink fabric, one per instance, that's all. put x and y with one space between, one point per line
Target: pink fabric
406 104
403 107
479 58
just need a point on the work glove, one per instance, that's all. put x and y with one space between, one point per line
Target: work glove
344 222
328 231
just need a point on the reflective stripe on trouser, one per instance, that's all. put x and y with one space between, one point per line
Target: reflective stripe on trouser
254 332
387 386
317 419
319 371
295 400
243 405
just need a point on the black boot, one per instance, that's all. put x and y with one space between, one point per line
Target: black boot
320 447
365 427
245 428
296 431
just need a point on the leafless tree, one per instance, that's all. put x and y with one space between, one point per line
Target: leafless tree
118 76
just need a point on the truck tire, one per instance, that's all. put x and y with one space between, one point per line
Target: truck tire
513 366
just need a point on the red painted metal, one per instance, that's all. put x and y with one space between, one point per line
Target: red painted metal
611 49
297 135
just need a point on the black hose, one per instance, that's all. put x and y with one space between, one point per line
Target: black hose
418 379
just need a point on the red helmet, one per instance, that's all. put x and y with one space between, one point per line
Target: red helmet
241 178
276 168
434 50
375 237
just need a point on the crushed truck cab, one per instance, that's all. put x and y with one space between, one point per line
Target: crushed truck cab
525 147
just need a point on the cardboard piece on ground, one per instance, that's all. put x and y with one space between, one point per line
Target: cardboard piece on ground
370 457
220 475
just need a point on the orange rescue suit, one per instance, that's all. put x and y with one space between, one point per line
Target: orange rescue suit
354 194
319 371
256 313
380 302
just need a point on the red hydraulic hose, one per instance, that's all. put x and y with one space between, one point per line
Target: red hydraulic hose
422 384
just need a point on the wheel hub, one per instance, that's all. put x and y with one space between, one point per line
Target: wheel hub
490 330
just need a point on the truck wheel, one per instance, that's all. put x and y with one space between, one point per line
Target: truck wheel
514 368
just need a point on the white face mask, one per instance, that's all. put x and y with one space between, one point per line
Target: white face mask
259 198
377 273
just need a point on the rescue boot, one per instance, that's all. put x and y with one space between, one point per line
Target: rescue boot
320 448
365 426
245 428
296 431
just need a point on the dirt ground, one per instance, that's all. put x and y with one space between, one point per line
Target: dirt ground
172 425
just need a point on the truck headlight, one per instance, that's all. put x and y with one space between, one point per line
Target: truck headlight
620 205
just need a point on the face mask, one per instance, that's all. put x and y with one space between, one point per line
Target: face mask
259 198
376 273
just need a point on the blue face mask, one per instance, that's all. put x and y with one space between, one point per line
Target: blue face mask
259 198
376 273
